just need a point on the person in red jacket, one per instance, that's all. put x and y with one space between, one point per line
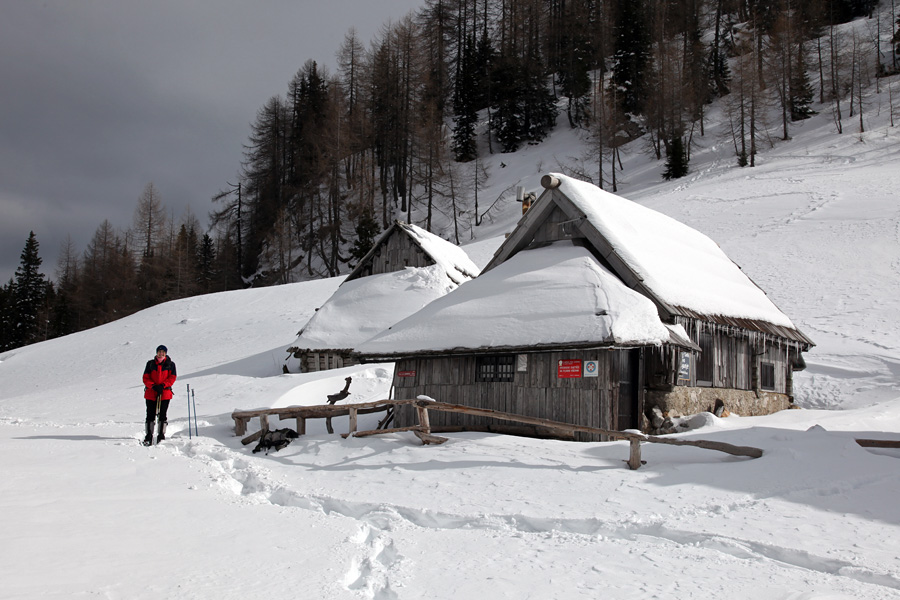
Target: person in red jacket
159 375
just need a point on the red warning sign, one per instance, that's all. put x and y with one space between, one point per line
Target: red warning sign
568 369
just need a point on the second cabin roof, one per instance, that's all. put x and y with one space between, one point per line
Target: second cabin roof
452 259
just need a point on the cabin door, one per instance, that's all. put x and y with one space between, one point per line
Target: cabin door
627 408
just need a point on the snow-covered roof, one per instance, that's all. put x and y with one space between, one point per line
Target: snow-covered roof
364 305
453 259
682 270
361 308
554 295
450 257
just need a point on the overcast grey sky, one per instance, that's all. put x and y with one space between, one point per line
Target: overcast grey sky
98 98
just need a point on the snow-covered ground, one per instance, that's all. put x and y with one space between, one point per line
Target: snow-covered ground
87 512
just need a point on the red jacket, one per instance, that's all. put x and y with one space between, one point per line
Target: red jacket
159 372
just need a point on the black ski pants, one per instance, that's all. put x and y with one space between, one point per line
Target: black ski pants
151 410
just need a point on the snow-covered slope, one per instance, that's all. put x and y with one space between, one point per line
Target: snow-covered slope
87 512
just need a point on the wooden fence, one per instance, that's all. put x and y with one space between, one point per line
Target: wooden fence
423 429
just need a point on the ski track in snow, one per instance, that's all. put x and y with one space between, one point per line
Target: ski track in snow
370 572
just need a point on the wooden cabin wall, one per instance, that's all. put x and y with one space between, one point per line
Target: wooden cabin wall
737 355
397 252
312 361
552 230
537 391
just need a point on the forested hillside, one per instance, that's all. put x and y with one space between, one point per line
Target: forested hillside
401 129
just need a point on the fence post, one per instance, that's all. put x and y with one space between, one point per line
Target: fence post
634 460
424 422
352 420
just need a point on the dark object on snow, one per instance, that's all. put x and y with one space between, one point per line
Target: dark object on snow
719 409
275 440
334 398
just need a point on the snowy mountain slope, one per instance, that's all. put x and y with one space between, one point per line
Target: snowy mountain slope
87 512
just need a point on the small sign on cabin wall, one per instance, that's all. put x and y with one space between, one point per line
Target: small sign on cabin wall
406 373
684 369
522 363
591 368
568 369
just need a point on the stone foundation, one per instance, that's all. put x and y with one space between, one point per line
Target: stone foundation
691 400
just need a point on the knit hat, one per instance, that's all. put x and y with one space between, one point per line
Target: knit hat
163 348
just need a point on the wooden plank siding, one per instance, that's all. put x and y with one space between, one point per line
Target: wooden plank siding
395 253
536 392
312 361
737 356
553 229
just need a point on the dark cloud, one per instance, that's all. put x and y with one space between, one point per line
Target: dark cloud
100 98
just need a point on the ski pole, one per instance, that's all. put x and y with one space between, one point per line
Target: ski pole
196 431
156 419
189 409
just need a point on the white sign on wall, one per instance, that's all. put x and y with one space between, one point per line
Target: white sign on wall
591 368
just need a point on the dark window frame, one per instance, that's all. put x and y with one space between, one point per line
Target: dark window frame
705 371
767 376
495 368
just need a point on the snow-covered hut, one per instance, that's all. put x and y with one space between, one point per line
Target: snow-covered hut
594 310
406 269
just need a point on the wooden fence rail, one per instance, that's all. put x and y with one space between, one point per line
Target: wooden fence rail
423 430
635 439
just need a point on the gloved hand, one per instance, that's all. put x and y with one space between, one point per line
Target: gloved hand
158 388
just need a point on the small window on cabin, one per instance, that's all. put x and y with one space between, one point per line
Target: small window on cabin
767 376
501 367
705 360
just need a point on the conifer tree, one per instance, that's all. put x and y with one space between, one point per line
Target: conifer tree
206 264
572 54
464 107
801 90
524 108
29 295
631 57
676 160
7 315
718 69
366 231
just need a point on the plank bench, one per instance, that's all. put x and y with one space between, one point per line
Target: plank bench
301 413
